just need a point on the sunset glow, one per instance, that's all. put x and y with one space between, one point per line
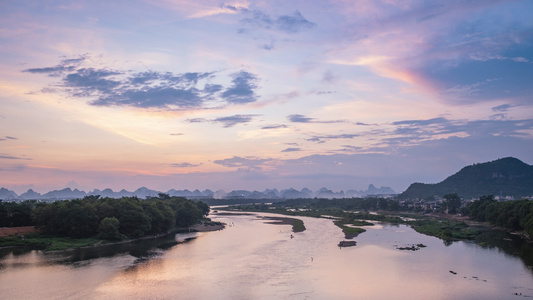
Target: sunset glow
254 95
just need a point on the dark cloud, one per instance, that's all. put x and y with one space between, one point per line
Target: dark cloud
156 89
296 118
238 161
66 65
323 138
291 150
242 90
267 46
324 92
286 23
300 119
88 81
150 89
414 131
514 128
160 97
258 19
233 8
197 120
234 120
212 88
176 134
274 126
5 156
184 165
421 122
145 77
497 116
51 71
503 107
8 138
294 23
350 148
226 121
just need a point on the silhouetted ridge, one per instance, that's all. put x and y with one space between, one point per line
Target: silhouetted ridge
503 177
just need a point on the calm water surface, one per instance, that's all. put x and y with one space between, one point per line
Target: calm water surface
254 260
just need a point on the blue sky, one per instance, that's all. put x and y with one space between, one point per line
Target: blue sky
260 94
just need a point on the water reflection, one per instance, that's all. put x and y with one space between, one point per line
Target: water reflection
254 260
510 244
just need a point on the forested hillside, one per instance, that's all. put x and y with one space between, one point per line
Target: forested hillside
507 177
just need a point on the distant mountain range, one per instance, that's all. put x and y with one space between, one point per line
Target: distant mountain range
143 192
503 177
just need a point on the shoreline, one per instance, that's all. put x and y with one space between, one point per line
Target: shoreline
200 227
194 228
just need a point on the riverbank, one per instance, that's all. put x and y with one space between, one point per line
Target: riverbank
207 226
10 231
446 227
297 224
35 240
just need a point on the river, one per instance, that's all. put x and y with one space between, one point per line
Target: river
251 259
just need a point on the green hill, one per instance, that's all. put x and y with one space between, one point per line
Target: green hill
506 176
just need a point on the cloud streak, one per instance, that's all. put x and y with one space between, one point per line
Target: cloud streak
184 165
10 157
251 162
234 120
227 122
297 118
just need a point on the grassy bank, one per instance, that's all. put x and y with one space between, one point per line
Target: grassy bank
349 232
43 242
445 229
39 241
297 224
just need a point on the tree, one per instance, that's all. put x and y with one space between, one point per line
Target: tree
134 222
453 203
203 207
187 214
82 220
109 229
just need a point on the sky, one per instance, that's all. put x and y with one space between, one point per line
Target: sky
260 94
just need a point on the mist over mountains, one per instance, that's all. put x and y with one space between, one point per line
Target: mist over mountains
503 177
144 192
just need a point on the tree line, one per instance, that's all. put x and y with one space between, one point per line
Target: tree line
515 215
107 218
14 214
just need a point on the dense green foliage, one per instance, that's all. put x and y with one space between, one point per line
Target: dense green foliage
108 229
14 214
514 215
506 176
108 218
349 232
452 203
444 229
298 225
